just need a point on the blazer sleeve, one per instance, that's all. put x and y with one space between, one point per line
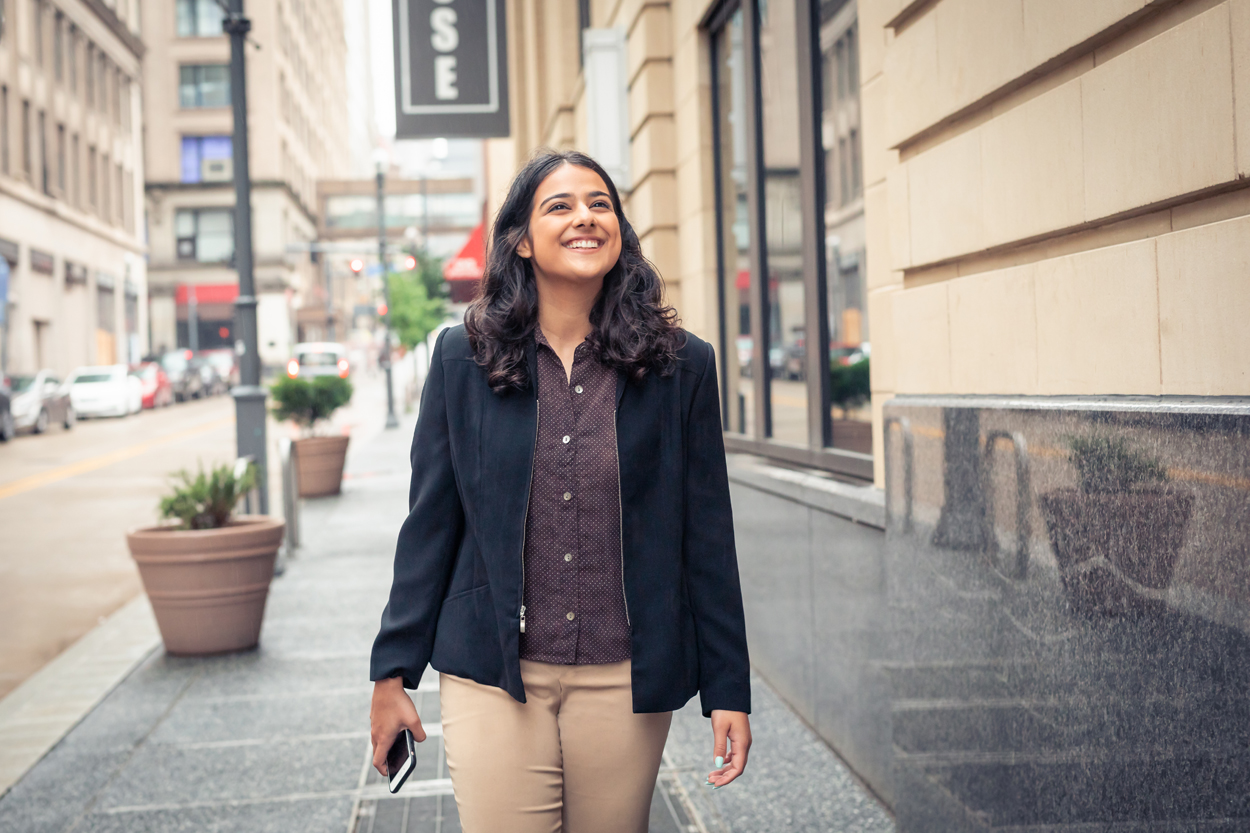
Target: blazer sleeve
428 542
711 561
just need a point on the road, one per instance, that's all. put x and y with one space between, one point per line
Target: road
66 500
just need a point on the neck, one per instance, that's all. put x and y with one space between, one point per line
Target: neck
564 308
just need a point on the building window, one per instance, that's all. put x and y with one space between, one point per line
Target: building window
45 180
38 20
91 178
4 128
71 56
58 46
204 85
28 166
60 159
198 18
205 235
75 172
106 204
733 234
207 158
89 76
790 258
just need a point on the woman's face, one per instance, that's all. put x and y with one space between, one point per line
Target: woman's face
574 234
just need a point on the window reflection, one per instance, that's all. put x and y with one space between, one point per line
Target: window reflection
849 344
735 234
783 233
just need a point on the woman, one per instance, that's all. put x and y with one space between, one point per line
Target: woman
568 561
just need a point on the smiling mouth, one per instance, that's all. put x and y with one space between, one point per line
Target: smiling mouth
583 244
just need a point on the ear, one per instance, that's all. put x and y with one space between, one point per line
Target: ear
523 248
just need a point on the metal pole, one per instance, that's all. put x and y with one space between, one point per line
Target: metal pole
391 420
249 396
325 267
193 319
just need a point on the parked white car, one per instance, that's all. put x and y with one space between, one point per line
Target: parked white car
109 390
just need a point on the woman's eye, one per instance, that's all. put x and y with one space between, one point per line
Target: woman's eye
557 206
600 204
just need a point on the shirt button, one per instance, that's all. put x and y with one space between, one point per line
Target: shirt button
569 616
568 556
566 439
577 389
568 495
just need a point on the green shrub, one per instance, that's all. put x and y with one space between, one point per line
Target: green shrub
206 501
307 403
849 386
1108 464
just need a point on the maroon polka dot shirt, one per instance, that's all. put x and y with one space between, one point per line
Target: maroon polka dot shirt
574 609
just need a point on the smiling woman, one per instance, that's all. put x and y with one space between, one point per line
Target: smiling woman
568 560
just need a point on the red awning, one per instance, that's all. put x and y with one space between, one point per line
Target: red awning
470 264
207 293
743 279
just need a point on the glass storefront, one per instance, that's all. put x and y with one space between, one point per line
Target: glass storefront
791 232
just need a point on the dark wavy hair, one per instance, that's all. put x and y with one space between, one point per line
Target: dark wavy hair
633 330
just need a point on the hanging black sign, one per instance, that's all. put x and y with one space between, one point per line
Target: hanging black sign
451 68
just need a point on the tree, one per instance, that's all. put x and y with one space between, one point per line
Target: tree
418 300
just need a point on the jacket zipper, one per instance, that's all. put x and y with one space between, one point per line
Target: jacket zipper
620 528
525 523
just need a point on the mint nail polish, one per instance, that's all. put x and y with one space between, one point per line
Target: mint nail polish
720 761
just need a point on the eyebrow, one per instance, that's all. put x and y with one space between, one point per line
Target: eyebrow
570 196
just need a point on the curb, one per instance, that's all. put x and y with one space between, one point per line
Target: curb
42 710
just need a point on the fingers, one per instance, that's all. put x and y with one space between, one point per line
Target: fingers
732 742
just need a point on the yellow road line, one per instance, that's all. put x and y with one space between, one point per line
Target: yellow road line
34 481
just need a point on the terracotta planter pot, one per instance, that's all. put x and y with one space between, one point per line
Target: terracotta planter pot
320 461
1101 538
208 587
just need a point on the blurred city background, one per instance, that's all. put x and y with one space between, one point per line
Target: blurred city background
957 258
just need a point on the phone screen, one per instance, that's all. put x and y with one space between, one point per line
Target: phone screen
398 754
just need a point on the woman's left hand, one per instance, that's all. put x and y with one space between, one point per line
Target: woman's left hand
731 758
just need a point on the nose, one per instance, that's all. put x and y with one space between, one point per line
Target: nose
583 216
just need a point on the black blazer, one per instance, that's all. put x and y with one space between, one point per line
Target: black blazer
456 596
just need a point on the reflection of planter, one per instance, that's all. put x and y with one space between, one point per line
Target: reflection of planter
320 461
208 586
1112 545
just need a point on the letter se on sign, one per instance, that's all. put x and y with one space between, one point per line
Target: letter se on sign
450 68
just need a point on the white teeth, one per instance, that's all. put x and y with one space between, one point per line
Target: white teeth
582 244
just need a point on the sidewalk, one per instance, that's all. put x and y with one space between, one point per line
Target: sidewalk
277 739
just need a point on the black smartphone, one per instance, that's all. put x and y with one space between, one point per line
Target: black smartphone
400 760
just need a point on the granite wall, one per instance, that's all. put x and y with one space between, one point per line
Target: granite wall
1053 632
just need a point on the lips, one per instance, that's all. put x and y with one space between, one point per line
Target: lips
583 244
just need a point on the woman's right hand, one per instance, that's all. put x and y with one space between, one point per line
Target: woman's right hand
391 712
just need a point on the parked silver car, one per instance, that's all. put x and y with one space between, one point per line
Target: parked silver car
38 400
318 358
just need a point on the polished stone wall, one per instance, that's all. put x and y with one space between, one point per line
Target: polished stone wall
1031 644
1068 583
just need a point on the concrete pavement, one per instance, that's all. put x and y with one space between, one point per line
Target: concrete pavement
276 739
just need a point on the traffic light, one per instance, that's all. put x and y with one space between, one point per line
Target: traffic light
381 309
357 265
410 263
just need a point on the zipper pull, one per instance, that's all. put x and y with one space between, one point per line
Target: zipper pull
522 618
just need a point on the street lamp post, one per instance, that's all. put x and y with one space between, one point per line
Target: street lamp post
249 396
391 420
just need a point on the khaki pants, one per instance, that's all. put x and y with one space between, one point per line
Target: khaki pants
574 758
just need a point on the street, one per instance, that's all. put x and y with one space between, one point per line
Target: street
66 501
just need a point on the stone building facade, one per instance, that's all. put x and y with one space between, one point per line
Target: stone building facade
298 134
1001 573
71 184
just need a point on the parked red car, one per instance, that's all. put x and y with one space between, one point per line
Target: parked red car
157 389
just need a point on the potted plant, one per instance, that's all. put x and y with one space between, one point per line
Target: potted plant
208 574
319 459
1120 532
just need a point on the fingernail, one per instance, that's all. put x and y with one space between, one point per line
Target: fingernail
714 789
709 784
720 761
